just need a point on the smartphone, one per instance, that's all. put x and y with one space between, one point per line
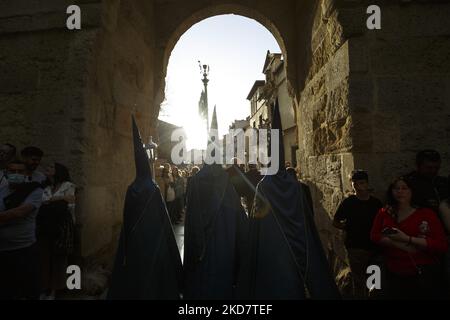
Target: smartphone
388 230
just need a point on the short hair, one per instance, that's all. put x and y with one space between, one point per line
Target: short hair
359 175
32 152
427 155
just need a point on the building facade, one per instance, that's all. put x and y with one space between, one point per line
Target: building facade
263 96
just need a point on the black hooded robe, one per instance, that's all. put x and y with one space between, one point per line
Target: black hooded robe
285 258
148 264
215 226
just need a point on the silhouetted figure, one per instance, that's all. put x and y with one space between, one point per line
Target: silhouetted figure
305 189
214 226
148 264
284 257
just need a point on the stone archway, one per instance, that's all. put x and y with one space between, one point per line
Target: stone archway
176 28
361 96
332 72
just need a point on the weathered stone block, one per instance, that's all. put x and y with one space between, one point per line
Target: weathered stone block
353 20
347 166
416 19
386 131
95 233
408 57
333 176
361 94
18 78
337 106
362 132
424 94
337 69
90 17
422 131
358 55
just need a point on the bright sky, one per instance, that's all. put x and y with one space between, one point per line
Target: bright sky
235 49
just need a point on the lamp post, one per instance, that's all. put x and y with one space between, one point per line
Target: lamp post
151 147
204 70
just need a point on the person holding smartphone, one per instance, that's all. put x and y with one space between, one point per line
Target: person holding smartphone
413 241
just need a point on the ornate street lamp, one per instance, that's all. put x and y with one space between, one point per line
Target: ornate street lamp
204 70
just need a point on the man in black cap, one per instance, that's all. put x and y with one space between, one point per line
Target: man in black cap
355 215
430 188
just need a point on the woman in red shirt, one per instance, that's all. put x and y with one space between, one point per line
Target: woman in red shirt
413 240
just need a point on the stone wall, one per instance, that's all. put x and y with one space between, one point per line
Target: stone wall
43 67
366 99
323 117
369 99
72 93
119 84
399 88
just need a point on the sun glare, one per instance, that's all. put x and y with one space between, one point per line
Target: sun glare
195 130
235 49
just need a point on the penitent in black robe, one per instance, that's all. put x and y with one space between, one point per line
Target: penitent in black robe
285 258
148 264
215 224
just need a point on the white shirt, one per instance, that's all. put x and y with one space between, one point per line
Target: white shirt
38 176
65 189
19 233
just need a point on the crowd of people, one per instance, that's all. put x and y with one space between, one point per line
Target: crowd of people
173 183
36 224
407 236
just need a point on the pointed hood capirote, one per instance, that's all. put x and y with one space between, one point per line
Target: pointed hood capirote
213 138
148 264
214 127
285 258
140 155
